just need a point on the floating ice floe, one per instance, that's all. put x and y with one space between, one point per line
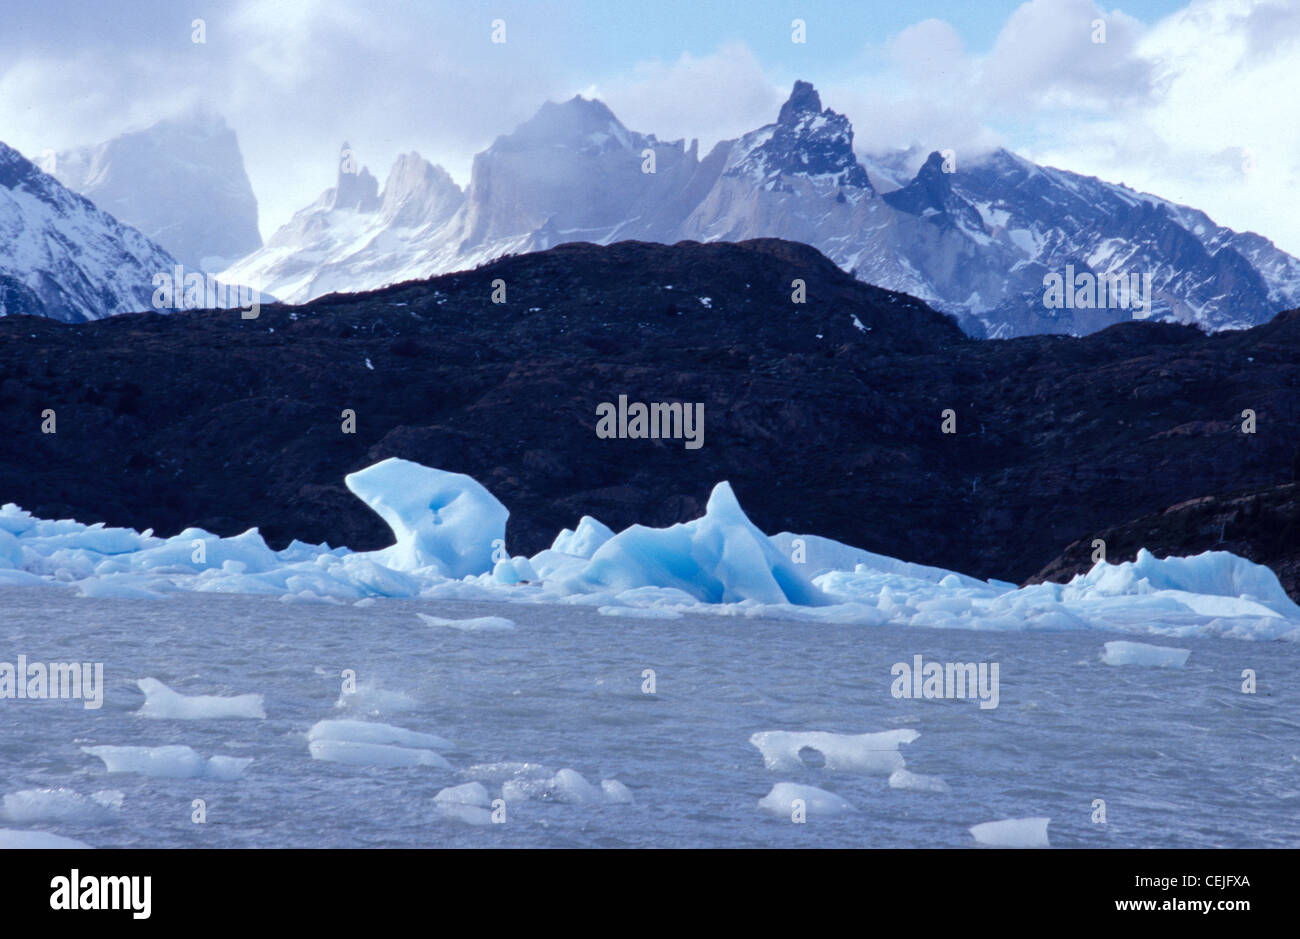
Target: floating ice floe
447 529
781 801
30 806
468 803
11 839
1139 653
476 624
366 743
852 753
171 762
162 702
1013 833
917 782
521 782
470 793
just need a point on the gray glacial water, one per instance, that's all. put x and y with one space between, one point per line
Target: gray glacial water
1182 758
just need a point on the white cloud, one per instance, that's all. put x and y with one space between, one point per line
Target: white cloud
1199 107
712 97
1221 131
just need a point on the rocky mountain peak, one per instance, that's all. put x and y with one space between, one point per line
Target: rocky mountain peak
803 99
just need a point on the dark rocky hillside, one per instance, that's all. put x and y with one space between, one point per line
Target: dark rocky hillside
822 426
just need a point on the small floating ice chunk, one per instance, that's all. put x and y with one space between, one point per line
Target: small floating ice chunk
903 779
30 806
170 762
1013 833
1140 653
569 785
373 754
375 732
853 753
616 792
162 702
476 624
780 801
470 793
469 814
533 781
37 840
468 803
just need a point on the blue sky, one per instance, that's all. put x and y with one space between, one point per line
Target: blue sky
839 29
1190 99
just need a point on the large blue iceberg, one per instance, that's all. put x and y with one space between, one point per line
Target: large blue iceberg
449 543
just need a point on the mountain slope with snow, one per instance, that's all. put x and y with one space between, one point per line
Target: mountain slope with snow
63 258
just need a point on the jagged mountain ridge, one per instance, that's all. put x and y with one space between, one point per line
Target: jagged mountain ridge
975 242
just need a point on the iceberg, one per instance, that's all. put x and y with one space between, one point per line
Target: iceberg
449 545
616 792
781 801
357 753
63 805
162 702
475 624
468 814
719 558
1139 653
375 732
440 520
822 555
470 793
1013 833
468 803
11 839
1251 589
524 781
569 785
584 540
363 743
170 762
902 779
853 753
514 571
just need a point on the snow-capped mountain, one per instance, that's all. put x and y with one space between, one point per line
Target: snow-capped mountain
353 236
980 238
180 181
63 258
